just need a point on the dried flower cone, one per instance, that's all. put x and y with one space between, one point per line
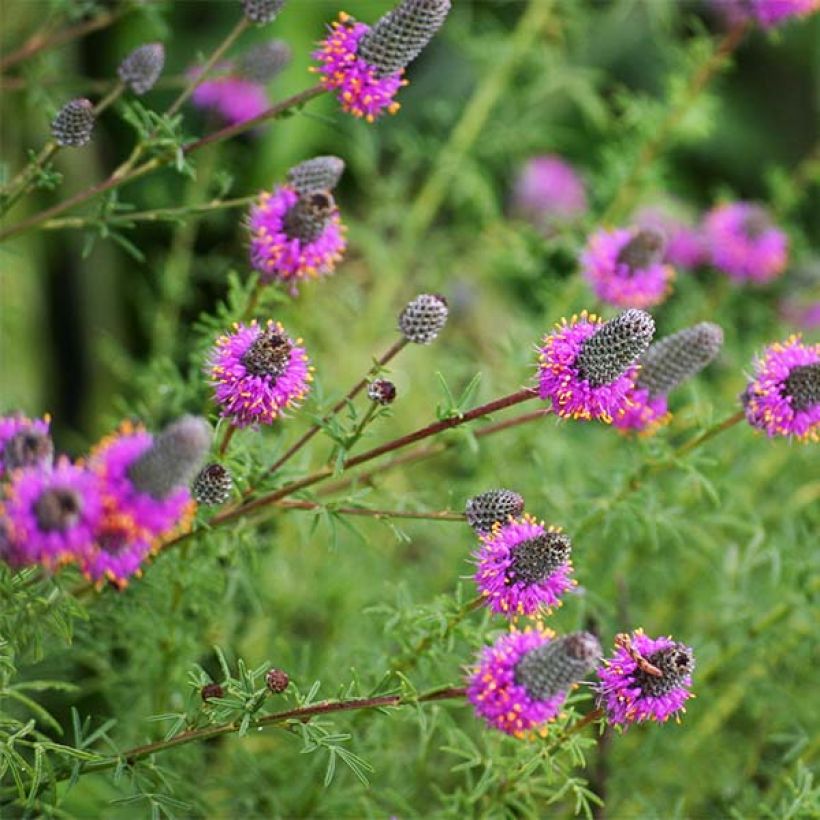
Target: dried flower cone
74 123
262 63
557 665
141 68
423 318
494 506
317 174
262 11
616 346
212 486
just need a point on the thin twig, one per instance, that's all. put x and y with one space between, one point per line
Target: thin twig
443 515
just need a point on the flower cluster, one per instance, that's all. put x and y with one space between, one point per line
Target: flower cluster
110 511
767 13
548 192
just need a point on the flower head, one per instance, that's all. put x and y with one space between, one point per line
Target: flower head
262 11
261 63
365 65
783 397
120 546
768 13
625 267
548 191
258 373
685 245
25 443
423 318
295 236
381 391
74 123
521 681
586 367
666 364
494 506
231 96
646 679
744 244
317 174
51 516
523 567
141 68
213 485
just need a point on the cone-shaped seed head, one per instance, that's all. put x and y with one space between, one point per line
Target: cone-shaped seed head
486 509
615 347
803 385
557 665
142 67
74 123
398 38
263 62
268 355
645 249
423 318
173 459
28 448
317 174
537 558
212 486
262 11
309 216
674 359
57 509
381 391
674 663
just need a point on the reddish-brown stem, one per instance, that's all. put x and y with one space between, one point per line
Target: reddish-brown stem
354 391
443 515
38 42
117 179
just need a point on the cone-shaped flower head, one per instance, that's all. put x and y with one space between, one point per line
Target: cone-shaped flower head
423 318
493 507
141 68
587 366
317 174
145 481
25 443
666 364
295 236
381 391
625 267
74 123
685 245
263 62
520 683
523 567
213 485
744 244
548 192
262 11
258 373
51 516
645 679
365 66
783 397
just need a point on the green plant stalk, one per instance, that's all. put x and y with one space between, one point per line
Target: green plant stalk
365 512
473 120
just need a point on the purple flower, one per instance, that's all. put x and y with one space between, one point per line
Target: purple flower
685 245
625 268
586 367
24 443
523 568
359 88
295 236
643 413
120 546
233 97
160 515
548 191
51 516
521 682
769 13
783 397
805 315
645 679
258 373
744 244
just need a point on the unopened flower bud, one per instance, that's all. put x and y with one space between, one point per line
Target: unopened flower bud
262 11
382 391
173 459
494 506
141 68
212 690
277 680
212 486
309 217
557 665
423 318
74 123
317 174
263 62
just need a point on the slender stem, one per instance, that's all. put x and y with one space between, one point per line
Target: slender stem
38 42
351 394
474 118
88 85
118 178
368 513
627 191
110 98
226 440
301 713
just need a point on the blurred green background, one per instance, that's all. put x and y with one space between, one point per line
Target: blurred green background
721 554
